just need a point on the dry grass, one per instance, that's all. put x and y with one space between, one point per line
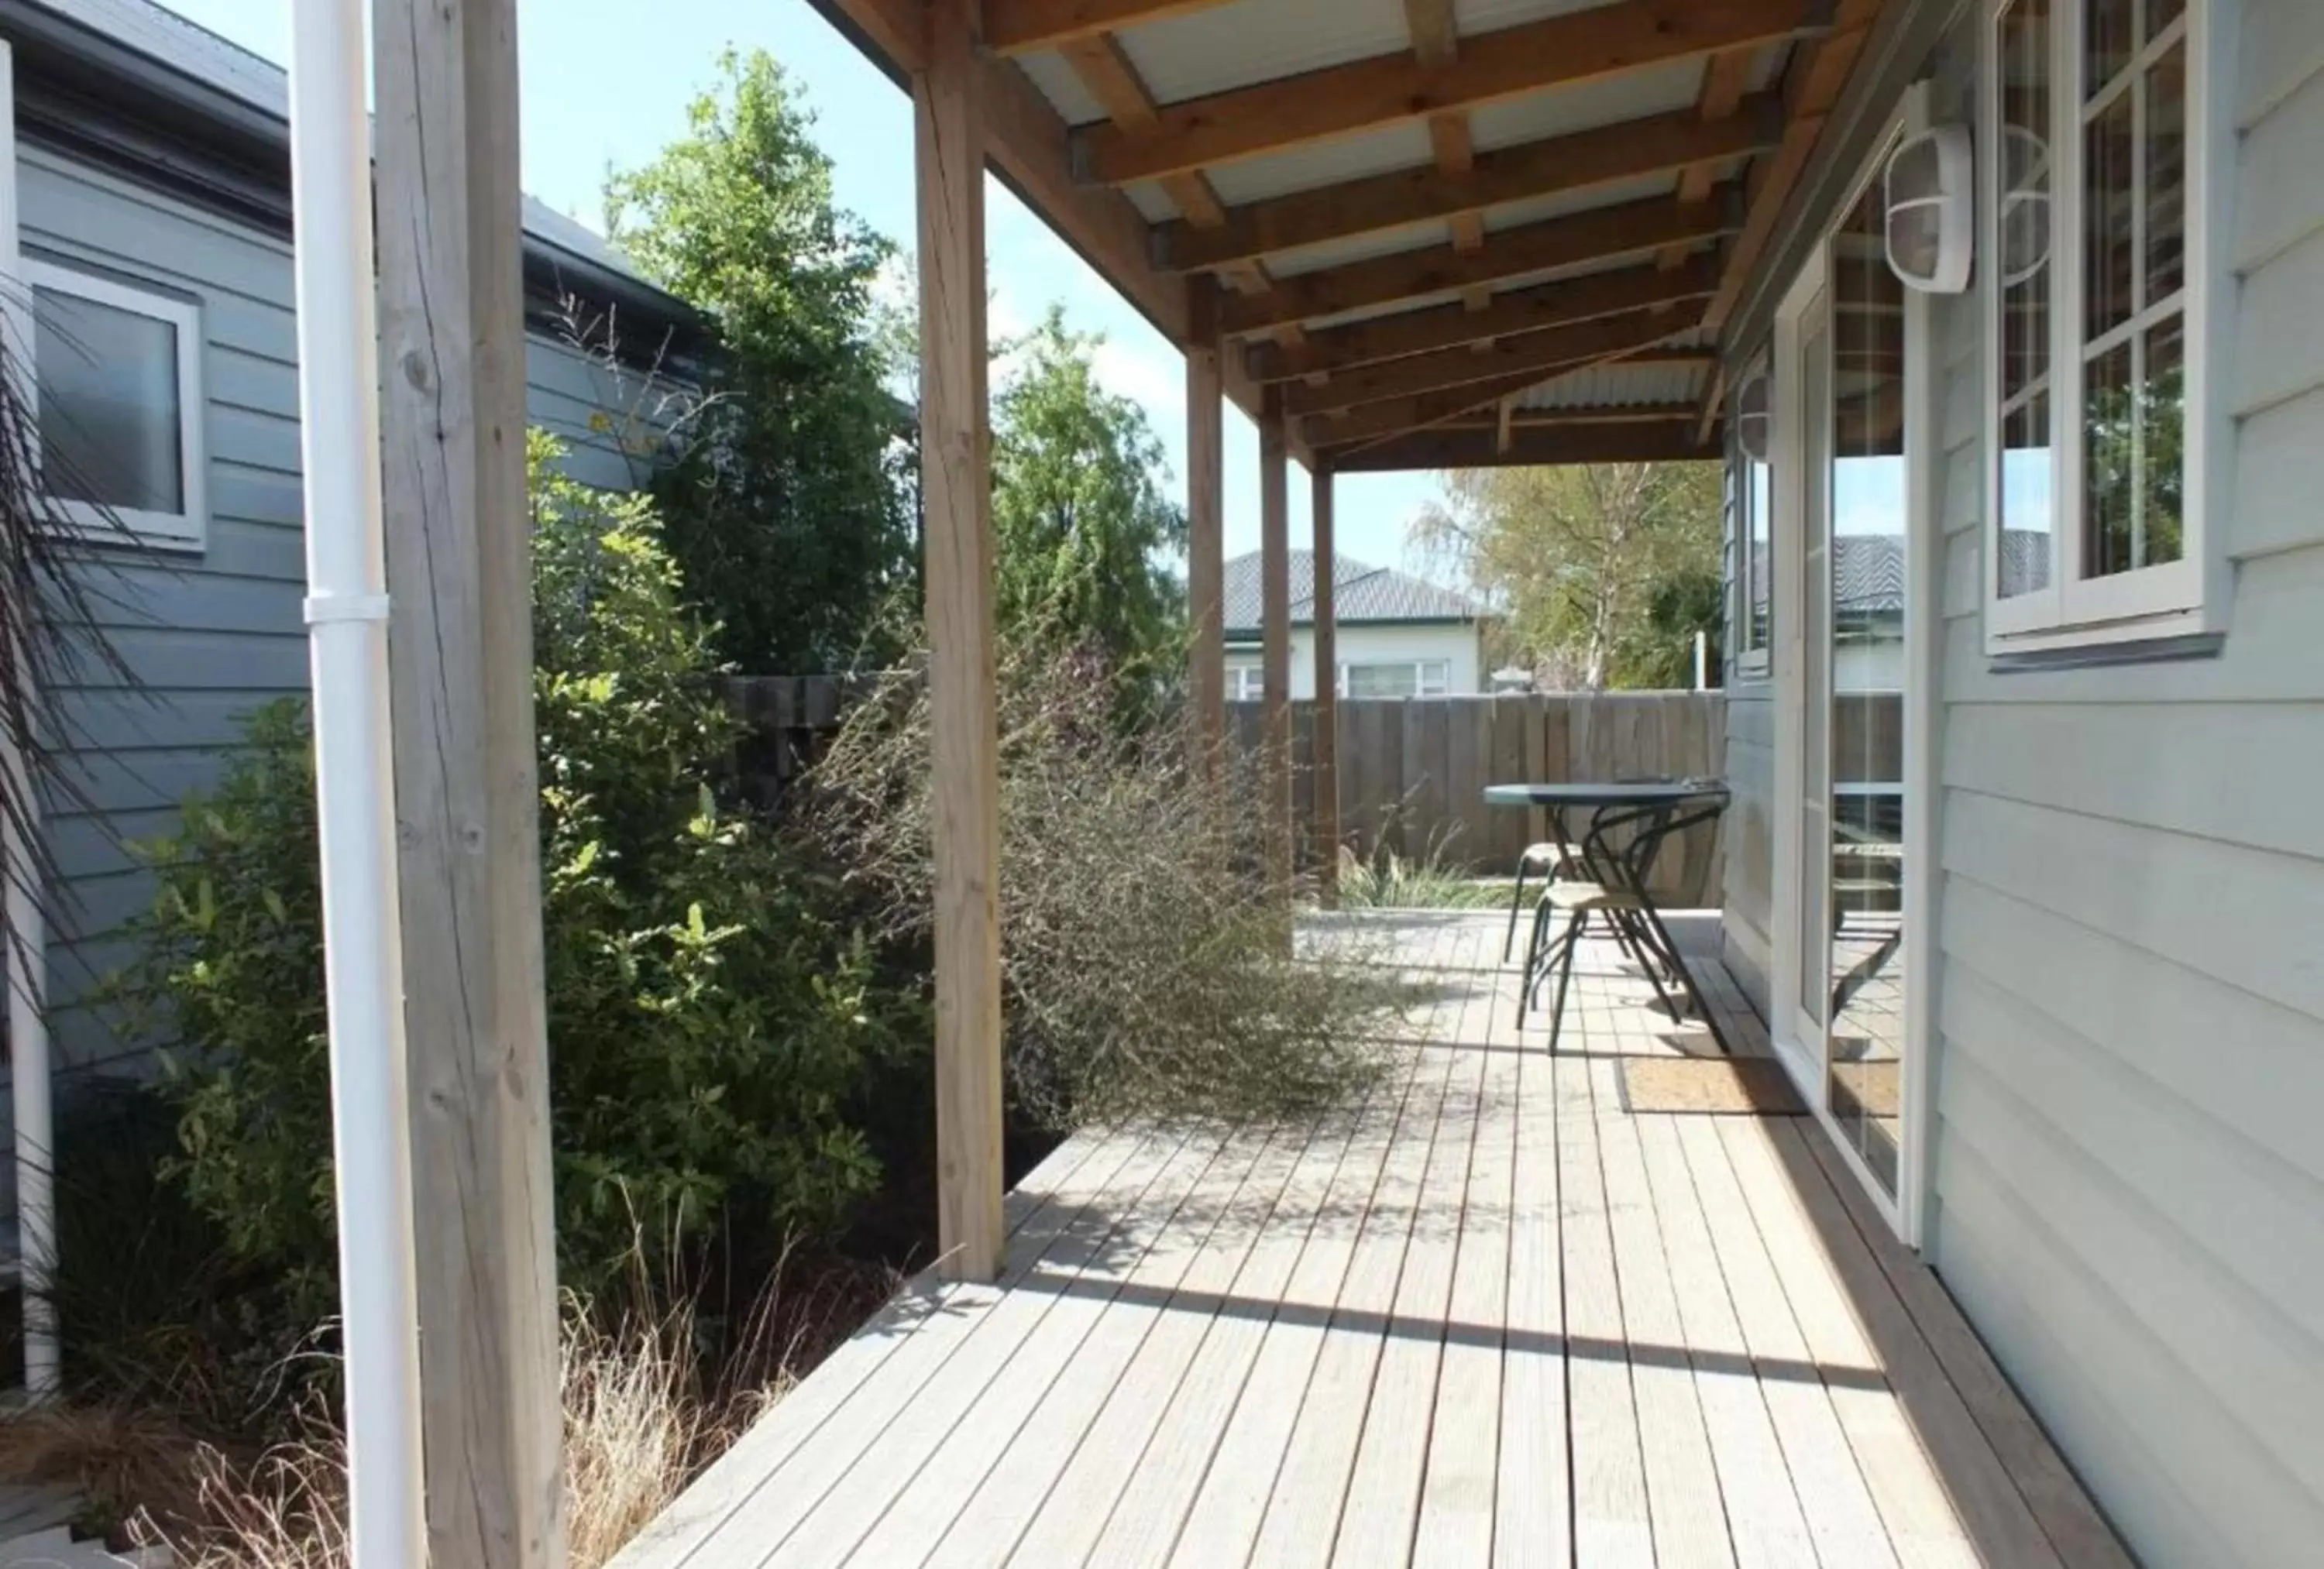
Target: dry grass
640 1422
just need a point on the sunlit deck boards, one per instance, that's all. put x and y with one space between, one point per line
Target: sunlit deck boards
1490 1318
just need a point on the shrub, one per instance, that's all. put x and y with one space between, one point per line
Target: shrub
1428 880
1142 972
708 1023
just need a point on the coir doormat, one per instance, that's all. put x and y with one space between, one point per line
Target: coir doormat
1709 1087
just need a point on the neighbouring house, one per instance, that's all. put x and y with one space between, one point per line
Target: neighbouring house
148 192
1399 636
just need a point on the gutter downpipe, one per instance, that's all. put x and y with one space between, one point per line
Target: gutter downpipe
29 1087
347 617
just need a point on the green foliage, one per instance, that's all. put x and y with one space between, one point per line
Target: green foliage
1081 526
1577 556
1428 880
708 1024
787 512
1690 600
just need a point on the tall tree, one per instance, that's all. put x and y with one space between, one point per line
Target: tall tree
1593 566
1082 529
787 512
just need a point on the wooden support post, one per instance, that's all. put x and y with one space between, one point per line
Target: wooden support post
1324 754
956 488
1274 657
459 569
1205 534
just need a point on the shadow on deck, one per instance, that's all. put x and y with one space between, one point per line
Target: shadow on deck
1492 1317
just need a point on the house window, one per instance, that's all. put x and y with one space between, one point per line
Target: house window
117 377
1246 682
1751 480
2095 283
1399 678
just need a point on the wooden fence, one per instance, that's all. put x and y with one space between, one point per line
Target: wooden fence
1413 771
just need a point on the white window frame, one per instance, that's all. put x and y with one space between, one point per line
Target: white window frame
183 530
2171 599
1420 669
1748 660
1245 682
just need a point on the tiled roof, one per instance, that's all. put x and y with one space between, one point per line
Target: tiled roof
1867 574
1365 593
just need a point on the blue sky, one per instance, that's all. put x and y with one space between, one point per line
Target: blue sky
606 83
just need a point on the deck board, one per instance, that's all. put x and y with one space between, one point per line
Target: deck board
1491 1318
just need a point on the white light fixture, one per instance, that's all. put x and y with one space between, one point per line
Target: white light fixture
1751 418
1931 216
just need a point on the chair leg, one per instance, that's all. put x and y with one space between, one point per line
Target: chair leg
1516 903
1573 934
1534 950
1654 970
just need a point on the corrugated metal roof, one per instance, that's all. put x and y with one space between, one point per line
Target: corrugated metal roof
1619 385
1363 594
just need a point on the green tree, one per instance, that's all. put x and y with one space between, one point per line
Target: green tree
1597 567
1082 530
789 512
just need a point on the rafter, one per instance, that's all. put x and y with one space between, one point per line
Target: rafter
1026 26
1575 47
1521 311
1726 78
1604 155
1576 240
1379 421
1539 353
1476 448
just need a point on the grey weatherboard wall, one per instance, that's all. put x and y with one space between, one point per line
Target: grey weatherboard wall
215 633
2127 1170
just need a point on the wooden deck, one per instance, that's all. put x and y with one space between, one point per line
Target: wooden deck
1491 1319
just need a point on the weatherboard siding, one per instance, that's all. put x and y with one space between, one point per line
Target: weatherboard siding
2128 1187
210 634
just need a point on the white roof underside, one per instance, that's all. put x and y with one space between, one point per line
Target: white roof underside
1221 48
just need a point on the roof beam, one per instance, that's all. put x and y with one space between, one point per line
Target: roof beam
1537 353
1575 241
1527 310
1379 421
1562 50
1477 448
1604 155
1726 78
1026 26
1511 414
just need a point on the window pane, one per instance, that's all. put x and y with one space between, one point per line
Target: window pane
2106 42
2165 86
108 383
1435 677
2109 460
2163 435
2110 198
2025 149
1759 499
2025 335
2026 467
2162 14
1382 680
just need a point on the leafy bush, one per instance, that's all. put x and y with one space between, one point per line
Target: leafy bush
1425 881
708 1023
1143 972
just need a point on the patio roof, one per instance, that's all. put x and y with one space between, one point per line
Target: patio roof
1450 232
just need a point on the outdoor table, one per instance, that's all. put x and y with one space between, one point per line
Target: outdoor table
1653 811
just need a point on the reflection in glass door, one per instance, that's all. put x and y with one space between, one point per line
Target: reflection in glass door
1860 647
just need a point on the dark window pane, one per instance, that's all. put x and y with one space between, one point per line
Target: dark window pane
2110 458
2165 86
2163 413
2027 464
2110 198
108 383
2108 42
2024 335
2162 14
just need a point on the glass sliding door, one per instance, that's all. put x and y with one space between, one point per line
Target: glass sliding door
1865 598
1814 380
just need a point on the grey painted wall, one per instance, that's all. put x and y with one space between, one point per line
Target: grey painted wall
2128 1170
215 633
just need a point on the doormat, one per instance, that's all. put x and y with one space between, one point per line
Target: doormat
1708 1087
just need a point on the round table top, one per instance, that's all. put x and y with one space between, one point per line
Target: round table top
1580 793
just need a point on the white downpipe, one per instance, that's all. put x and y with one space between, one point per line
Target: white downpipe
29 1085
1702 662
346 615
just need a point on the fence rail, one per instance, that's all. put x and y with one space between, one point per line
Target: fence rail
1413 771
